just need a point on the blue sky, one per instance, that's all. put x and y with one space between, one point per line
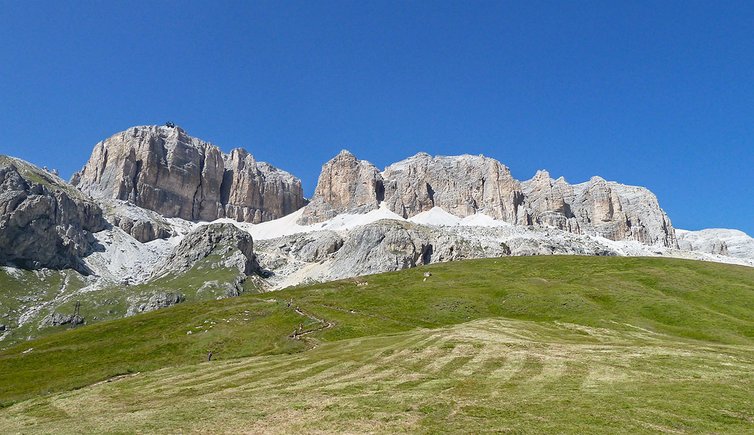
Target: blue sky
659 94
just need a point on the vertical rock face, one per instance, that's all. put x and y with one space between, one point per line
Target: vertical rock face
256 191
346 185
465 185
548 203
619 212
462 185
166 170
43 221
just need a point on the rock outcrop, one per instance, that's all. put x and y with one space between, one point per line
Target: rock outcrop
155 302
58 319
346 185
231 247
390 244
466 185
44 223
141 224
461 185
166 170
719 241
608 209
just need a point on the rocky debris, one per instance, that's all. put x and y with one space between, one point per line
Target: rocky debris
311 247
233 247
57 319
390 244
141 224
155 302
44 223
346 185
718 241
165 170
124 260
466 185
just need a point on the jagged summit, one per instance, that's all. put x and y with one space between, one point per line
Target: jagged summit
345 184
467 184
165 169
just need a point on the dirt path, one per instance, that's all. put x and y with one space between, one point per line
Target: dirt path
324 324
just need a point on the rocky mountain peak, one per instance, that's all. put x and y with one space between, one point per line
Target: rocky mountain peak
164 169
467 184
346 185
44 222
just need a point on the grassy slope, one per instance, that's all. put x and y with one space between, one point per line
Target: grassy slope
208 279
23 289
558 343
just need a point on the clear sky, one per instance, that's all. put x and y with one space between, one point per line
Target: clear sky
656 93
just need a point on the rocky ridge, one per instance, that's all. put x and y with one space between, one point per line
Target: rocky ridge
165 170
361 221
466 185
720 241
232 246
44 222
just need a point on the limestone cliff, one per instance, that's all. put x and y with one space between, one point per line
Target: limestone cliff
466 185
346 185
165 170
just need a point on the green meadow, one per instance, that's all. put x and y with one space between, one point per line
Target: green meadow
516 344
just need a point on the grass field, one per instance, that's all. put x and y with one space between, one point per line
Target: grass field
543 344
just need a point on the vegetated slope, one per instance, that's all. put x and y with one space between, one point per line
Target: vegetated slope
37 303
543 343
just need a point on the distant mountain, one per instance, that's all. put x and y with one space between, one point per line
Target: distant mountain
720 241
466 185
166 170
157 217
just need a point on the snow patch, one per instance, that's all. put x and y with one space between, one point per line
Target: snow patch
436 216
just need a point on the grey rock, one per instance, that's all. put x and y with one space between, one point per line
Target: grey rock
255 192
604 208
390 244
465 185
235 247
461 185
166 170
57 319
44 222
345 185
142 224
155 302
311 247
720 241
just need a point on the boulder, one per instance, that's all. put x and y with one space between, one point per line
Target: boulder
57 319
155 302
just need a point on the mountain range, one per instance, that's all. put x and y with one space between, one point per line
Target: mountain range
157 217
